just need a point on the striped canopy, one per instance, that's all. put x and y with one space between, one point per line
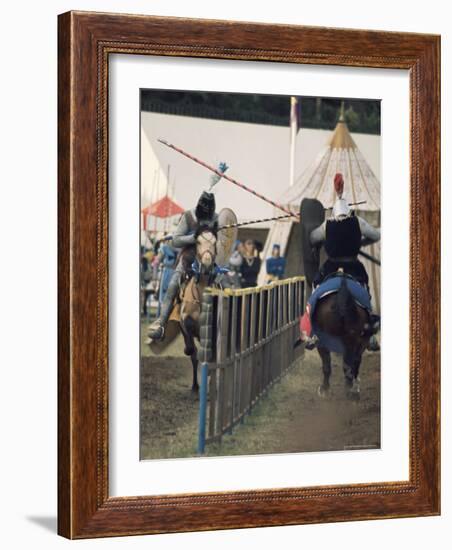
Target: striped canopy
164 208
340 154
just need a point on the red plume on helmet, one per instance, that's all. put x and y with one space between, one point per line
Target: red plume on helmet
339 184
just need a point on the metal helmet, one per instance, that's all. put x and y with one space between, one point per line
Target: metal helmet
205 209
341 209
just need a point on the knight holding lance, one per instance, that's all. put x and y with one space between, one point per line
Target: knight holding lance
342 235
192 223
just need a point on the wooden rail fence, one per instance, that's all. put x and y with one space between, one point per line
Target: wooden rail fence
247 343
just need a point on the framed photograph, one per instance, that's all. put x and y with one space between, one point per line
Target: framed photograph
248 275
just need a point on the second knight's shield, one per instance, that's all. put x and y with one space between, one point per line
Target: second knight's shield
312 214
226 237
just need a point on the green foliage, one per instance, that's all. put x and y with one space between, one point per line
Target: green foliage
362 115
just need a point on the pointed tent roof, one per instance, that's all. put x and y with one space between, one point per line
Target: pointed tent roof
340 154
163 208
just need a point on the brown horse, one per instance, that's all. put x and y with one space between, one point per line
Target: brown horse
191 296
338 315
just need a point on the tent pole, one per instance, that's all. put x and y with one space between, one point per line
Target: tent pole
293 136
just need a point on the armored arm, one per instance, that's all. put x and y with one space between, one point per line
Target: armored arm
183 236
318 235
369 233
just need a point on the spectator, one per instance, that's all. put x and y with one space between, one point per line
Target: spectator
275 265
251 264
146 277
234 264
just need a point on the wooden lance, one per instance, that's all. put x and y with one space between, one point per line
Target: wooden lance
228 178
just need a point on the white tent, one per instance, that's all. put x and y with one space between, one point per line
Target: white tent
154 181
258 155
340 154
154 186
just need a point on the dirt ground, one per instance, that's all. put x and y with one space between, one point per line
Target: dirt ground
291 418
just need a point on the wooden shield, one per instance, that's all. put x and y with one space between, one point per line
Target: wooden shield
312 214
226 237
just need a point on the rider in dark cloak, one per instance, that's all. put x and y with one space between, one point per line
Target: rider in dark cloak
342 235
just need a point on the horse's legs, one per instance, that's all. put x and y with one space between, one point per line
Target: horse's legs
325 355
351 364
194 362
347 365
189 341
190 349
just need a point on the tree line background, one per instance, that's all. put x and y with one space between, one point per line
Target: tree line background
361 115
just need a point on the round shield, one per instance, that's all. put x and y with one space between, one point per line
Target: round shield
226 236
312 214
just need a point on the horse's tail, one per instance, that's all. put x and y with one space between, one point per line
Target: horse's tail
345 305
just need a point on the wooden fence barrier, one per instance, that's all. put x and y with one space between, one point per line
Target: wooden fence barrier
247 343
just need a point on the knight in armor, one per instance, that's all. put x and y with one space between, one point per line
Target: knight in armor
191 224
342 236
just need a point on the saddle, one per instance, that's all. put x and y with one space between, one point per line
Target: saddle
175 312
339 274
189 291
350 266
330 285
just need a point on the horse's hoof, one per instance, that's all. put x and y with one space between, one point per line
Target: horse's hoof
195 390
354 393
373 345
323 392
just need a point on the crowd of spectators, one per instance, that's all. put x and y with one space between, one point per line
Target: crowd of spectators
158 261
245 264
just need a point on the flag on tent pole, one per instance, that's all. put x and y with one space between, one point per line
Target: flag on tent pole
295 123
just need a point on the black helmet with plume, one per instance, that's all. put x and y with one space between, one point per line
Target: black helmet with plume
205 209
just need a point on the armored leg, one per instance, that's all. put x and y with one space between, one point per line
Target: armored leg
375 327
309 341
374 319
156 330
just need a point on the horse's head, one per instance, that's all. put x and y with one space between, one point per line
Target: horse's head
206 249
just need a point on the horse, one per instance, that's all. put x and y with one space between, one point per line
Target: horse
340 316
191 296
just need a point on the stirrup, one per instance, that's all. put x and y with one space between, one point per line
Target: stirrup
311 342
373 344
375 321
156 331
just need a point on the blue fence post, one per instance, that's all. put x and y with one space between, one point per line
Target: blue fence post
205 356
203 408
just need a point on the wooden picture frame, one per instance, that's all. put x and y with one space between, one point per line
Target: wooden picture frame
85 42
